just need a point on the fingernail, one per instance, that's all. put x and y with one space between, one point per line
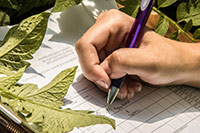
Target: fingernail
102 84
129 96
138 88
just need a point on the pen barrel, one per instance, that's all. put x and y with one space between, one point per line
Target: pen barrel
118 82
136 32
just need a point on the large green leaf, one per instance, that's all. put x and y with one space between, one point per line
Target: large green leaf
162 26
4 18
130 7
186 12
54 92
28 101
165 3
22 41
62 5
11 77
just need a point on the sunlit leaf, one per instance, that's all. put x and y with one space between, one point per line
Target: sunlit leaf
62 5
42 106
22 41
10 77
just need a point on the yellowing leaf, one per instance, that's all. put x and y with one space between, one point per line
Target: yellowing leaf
22 41
62 5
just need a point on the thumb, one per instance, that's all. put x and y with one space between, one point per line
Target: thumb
132 61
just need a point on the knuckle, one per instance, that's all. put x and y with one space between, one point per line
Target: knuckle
101 15
113 12
116 58
79 44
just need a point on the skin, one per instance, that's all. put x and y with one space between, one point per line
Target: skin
157 61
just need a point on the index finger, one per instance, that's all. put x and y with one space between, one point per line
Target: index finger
87 49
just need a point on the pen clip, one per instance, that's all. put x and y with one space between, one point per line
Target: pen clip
144 4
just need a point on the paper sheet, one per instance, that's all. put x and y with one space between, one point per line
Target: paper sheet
164 109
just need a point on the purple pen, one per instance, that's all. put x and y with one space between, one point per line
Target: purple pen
133 40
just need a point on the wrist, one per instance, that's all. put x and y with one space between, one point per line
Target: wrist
190 67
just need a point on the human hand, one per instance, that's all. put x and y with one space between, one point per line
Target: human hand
157 61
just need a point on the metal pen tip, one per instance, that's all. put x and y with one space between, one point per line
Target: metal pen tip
112 94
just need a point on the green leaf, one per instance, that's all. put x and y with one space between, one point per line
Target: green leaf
9 4
11 78
187 12
130 7
174 36
57 121
6 71
35 105
55 91
165 3
197 34
187 26
4 18
22 41
62 5
27 6
162 26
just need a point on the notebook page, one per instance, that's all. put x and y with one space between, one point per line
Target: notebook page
164 109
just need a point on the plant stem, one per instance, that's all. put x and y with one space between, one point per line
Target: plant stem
173 23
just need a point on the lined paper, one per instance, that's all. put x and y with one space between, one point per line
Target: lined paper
154 109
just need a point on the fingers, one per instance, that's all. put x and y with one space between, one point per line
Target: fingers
129 61
89 59
103 37
129 88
